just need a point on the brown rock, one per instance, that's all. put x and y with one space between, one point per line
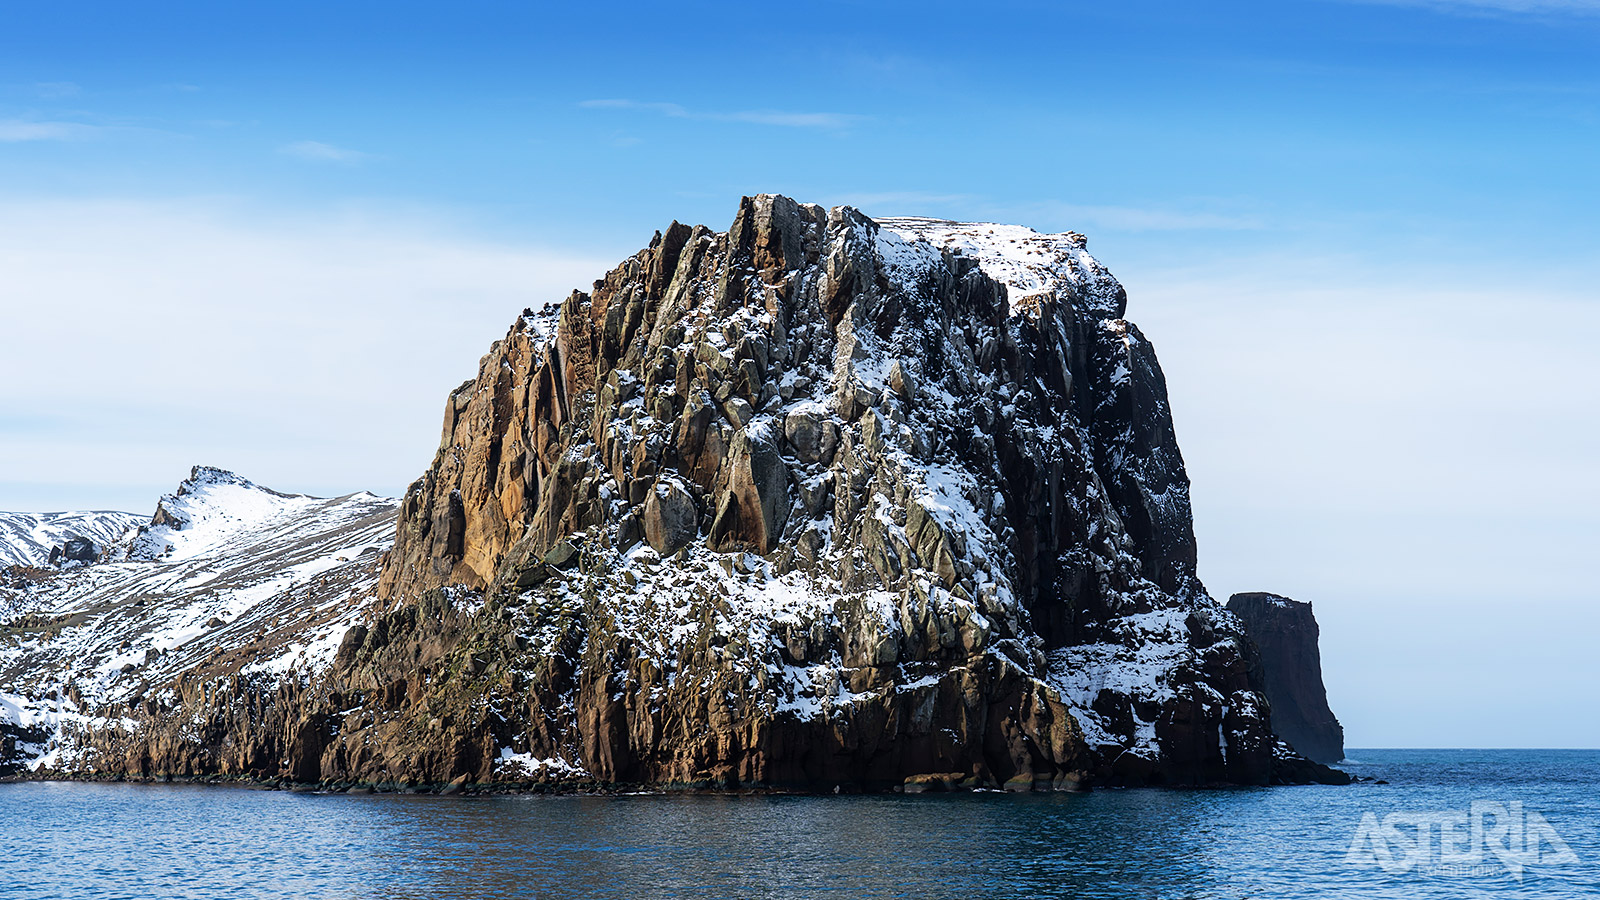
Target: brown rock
670 517
754 507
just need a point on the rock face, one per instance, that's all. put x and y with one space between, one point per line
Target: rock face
819 502
855 503
75 550
1285 632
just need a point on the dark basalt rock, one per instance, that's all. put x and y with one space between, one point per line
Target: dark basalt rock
75 550
978 488
1285 634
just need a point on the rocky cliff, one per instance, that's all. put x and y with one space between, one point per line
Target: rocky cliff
819 502
1286 635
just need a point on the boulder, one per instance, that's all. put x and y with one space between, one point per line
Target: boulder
753 508
670 517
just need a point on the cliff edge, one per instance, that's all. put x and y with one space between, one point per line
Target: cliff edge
1285 633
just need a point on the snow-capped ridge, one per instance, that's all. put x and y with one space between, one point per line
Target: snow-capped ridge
256 584
208 508
1029 263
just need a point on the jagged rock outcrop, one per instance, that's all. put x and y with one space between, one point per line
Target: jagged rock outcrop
1286 636
854 503
819 503
74 550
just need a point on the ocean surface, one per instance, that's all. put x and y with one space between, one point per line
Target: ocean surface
1447 824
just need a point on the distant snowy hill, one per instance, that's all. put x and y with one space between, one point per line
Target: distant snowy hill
226 575
26 539
212 510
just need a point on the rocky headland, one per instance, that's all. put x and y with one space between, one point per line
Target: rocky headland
816 503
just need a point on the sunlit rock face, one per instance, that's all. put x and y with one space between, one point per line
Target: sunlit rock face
819 502
838 502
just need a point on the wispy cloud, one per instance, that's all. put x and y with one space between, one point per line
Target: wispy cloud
666 109
783 119
1530 8
56 90
13 131
317 151
789 119
1133 218
98 282
919 203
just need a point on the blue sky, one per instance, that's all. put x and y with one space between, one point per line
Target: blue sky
1361 234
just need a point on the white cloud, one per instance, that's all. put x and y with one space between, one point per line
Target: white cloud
312 353
13 131
830 121
820 120
666 109
316 151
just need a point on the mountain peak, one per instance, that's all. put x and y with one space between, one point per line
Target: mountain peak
208 506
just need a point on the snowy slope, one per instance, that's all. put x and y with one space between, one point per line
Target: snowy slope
225 571
26 539
1030 264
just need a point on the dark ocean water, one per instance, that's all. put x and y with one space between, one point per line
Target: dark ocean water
78 840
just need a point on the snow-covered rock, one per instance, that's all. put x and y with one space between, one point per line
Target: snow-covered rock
228 580
41 539
819 503
940 523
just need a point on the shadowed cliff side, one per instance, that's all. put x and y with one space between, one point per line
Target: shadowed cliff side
1285 634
